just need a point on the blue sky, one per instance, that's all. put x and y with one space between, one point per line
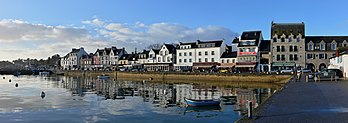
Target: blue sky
100 21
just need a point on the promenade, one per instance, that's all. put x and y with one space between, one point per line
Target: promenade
320 102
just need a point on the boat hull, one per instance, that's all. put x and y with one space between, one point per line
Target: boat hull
191 102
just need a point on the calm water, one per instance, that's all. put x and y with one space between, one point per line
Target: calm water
71 99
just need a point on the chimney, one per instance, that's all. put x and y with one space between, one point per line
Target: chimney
135 51
123 51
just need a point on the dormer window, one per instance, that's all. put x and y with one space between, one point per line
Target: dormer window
283 39
298 39
274 39
290 39
334 46
322 46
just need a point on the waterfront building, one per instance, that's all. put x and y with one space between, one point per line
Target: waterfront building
228 60
199 54
143 57
107 57
320 48
340 61
128 61
248 55
164 60
288 45
71 61
87 62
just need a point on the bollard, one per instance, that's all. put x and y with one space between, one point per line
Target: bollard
250 109
307 78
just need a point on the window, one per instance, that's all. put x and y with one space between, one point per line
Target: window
212 53
291 57
222 61
334 46
298 39
190 60
322 46
310 56
206 59
212 60
321 56
185 60
290 49
184 53
278 48
168 59
278 57
252 50
179 54
206 53
283 57
290 39
283 39
180 60
190 53
310 46
295 49
295 57
199 60
159 59
228 61
199 53
283 48
233 61
274 39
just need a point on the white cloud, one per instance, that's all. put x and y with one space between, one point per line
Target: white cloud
21 39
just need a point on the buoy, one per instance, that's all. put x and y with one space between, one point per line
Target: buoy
3 77
150 78
9 80
43 94
16 85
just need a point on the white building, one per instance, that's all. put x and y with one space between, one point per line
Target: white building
164 60
71 61
199 52
108 57
340 62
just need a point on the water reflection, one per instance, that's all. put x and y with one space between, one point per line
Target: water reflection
167 95
91 100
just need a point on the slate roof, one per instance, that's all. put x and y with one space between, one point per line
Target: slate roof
229 54
217 43
327 39
249 35
287 29
156 51
171 48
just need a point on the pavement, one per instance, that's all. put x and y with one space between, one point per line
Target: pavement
306 102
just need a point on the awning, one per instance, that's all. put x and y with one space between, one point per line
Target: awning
245 65
285 64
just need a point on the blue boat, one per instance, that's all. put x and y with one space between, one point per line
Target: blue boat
193 102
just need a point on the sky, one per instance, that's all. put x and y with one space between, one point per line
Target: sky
42 28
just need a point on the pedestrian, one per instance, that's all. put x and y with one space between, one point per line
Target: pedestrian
298 76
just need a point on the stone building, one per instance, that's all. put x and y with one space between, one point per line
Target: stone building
320 48
287 45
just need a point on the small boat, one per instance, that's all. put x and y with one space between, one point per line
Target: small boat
103 77
44 73
17 73
193 102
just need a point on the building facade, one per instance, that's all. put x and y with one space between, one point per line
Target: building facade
71 61
199 54
288 45
248 51
319 50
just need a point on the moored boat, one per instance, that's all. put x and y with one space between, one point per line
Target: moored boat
103 77
211 102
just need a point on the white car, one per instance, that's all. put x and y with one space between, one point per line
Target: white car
286 71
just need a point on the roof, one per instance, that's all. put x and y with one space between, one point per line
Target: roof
217 43
265 46
228 54
171 48
156 51
287 29
327 39
129 57
249 35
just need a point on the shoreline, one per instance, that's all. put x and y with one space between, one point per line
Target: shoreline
185 77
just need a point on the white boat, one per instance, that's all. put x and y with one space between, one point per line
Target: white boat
103 77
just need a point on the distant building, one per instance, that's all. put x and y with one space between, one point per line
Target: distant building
71 61
86 62
248 55
288 45
265 56
164 60
107 57
228 60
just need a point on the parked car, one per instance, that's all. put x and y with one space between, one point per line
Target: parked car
223 71
327 73
286 71
274 71
305 70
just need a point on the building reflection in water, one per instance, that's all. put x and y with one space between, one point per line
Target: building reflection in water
165 95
